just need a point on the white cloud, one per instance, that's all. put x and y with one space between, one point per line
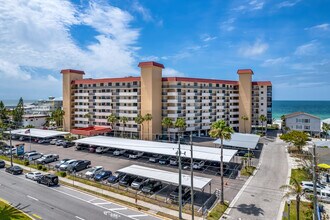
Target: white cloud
146 15
287 4
307 49
256 5
275 61
12 71
169 72
322 27
228 25
52 78
207 38
255 49
149 58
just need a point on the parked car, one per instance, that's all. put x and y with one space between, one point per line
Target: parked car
48 179
65 165
127 180
103 175
79 165
93 171
92 149
59 142
242 153
139 182
32 156
152 186
173 161
164 160
16 170
2 164
48 158
67 144
101 150
53 141
155 158
22 138
119 152
44 141
135 155
81 146
174 196
57 166
33 175
13 151
198 165
307 186
115 177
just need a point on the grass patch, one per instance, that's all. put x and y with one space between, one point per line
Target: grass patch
247 170
300 175
163 214
9 212
24 163
306 211
217 211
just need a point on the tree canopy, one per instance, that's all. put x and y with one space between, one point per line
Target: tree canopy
296 138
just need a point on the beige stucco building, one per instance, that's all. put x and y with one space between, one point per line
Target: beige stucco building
199 101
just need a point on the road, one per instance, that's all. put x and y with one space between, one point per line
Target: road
61 202
262 197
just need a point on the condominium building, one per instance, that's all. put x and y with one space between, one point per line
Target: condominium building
199 101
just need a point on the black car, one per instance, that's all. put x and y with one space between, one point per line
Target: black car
48 179
67 144
2 164
103 175
16 170
114 178
79 165
164 160
127 180
155 158
152 186
174 196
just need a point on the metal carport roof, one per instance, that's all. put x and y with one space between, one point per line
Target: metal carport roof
240 140
202 153
38 133
166 176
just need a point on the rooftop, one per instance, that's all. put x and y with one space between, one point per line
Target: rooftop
91 130
300 113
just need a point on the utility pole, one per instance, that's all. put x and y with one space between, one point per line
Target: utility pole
180 180
11 149
314 182
192 178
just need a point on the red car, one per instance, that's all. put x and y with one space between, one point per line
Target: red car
92 149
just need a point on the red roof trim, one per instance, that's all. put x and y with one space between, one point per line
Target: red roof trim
72 71
262 83
200 80
106 80
245 71
91 131
150 64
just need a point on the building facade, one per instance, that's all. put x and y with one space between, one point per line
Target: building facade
301 121
37 121
199 101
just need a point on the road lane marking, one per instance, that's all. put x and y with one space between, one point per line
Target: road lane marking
77 217
134 216
36 216
117 209
102 203
32 198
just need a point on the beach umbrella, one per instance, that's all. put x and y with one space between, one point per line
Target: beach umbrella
324 166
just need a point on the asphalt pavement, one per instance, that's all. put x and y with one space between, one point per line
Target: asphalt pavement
61 202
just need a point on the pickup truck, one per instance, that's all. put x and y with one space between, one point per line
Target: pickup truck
79 165
48 158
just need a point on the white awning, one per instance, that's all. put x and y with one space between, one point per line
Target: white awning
240 140
38 133
201 153
166 176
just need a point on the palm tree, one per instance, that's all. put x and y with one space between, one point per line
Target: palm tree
244 118
113 119
295 190
263 119
139 120
148 118
181 124
88 116
124 120
8 212
167 123
326 129
219 129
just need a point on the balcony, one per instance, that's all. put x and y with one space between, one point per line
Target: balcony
190 101
81 106
234 95
206 121
103 100
206 101
102 113
173 129
220 107
190 121
101 120
206 114
103 94
190 128
80 125
206 107
102 107
128 108
172 101
174 108
80 119
128 101
190 115
80 113
206 94
130 115
128 93
81 100
172 94
234 107
190 94
190 107
173 115
81 94
206 127
220 95
121 128
234 101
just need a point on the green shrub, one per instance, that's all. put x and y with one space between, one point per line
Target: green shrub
39 167
62 174
26 163
44 168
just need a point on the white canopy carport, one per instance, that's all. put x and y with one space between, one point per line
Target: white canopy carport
240 140
201 153
38 133
166 176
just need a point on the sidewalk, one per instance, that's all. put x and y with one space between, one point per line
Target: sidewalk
153 208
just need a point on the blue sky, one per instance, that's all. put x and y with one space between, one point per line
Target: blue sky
286 42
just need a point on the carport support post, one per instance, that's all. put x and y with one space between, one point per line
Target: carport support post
314 183
180 180
192 178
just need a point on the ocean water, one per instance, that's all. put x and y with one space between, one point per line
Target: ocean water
13 102
320 109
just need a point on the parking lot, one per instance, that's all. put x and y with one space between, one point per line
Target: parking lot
233 182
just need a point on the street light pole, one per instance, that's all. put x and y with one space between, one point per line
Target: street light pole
289 203
314 182
192 178
180 180
11 150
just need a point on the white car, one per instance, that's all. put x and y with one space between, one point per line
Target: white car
33 156
308 186
65 165
198 165
119 152
101 150
53 141
33 175
135 155
92 172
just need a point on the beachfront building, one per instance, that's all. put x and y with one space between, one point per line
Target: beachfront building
89 102
301 121
37 121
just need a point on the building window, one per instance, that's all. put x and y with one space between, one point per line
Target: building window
307 127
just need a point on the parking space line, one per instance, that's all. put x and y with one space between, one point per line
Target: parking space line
117 209
134 216
77 217
102 203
